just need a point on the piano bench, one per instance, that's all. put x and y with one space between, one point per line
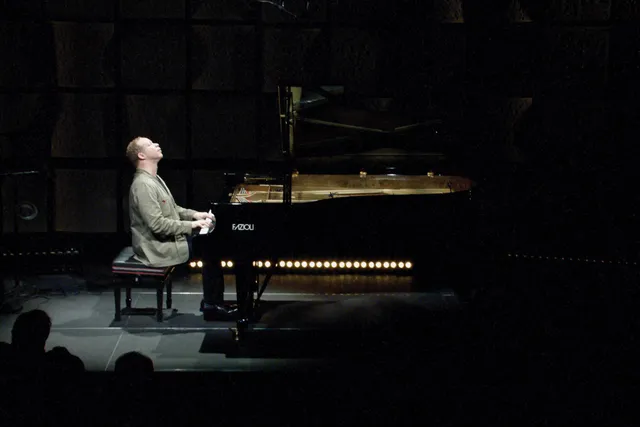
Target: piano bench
131 273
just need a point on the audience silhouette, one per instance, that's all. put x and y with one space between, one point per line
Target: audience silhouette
134 363
30 332
27 352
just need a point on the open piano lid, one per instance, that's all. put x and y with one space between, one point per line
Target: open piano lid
329 129
329 106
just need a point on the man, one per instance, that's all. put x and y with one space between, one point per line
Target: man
161 230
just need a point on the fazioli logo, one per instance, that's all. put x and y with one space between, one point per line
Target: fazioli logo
242 227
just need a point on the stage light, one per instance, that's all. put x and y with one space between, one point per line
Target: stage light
324 264
199 264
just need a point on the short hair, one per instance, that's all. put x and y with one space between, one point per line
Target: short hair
133 149
134 362
31 330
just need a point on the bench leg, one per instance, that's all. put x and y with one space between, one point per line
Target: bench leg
117 297
169 293
128 294
159 305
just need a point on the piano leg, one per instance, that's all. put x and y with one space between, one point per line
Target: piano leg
212 281
243 289
159 314
169 286
118 297
245 283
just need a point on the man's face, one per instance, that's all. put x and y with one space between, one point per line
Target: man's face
149 150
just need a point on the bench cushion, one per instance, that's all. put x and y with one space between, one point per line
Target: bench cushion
125 263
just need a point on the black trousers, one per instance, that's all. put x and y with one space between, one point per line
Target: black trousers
212 278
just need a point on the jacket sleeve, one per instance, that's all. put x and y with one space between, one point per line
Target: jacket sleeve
146 198
185 214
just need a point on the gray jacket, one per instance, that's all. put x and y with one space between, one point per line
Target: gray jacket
159 227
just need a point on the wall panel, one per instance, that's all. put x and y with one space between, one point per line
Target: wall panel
294 55
228 10
85 201
209 186
84 54
160 118
153 56
223 126
86 127
224 57
80 9
150 9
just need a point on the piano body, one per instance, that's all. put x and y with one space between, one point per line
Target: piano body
340 217
369 211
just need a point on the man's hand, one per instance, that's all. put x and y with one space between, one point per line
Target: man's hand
201 223
203 215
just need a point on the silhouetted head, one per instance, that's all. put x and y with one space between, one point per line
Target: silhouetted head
30 331
134 363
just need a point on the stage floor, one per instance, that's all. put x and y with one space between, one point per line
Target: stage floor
306 321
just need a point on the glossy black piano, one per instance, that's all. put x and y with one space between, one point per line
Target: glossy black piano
358 189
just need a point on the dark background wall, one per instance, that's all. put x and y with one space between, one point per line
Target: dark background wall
542 88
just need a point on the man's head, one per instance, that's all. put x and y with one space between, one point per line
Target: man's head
30 331
142 149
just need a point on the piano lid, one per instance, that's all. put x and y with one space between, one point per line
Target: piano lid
329 125
328 106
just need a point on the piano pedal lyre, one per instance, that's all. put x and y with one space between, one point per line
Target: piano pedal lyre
240 331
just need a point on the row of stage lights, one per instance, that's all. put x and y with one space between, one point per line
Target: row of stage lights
56 252
339 265
572 259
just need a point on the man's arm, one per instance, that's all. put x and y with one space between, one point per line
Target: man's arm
185 214
144 195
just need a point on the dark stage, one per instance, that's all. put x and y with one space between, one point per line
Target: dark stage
345 349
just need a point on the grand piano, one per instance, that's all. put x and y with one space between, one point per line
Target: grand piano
359 186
